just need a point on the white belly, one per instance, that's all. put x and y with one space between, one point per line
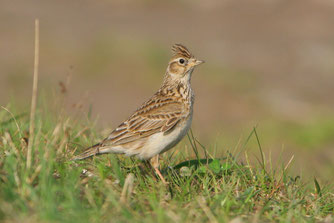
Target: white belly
159 143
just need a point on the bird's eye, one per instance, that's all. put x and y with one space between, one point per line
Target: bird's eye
181 61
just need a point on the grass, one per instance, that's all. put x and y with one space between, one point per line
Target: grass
114 188
40 183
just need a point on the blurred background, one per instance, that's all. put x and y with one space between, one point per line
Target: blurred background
269 63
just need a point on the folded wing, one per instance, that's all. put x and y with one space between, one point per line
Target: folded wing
157 115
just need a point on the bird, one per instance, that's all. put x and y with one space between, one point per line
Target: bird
161 122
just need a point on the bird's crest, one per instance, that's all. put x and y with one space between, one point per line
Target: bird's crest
179 49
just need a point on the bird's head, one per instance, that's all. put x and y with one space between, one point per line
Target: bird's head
182 63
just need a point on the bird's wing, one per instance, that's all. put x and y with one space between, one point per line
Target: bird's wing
159 114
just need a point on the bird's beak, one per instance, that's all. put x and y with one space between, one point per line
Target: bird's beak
196 62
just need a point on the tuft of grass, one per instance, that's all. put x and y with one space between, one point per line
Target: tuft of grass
115 188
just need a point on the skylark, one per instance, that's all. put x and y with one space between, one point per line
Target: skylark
161 122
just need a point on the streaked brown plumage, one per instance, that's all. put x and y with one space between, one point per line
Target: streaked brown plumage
161 122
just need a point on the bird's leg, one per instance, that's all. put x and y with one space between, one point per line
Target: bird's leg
154 161
146 168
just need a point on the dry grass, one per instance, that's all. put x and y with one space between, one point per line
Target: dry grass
116 188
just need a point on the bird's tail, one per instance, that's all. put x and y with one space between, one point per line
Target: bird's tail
90 151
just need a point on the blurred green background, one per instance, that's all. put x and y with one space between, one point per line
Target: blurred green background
269 63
